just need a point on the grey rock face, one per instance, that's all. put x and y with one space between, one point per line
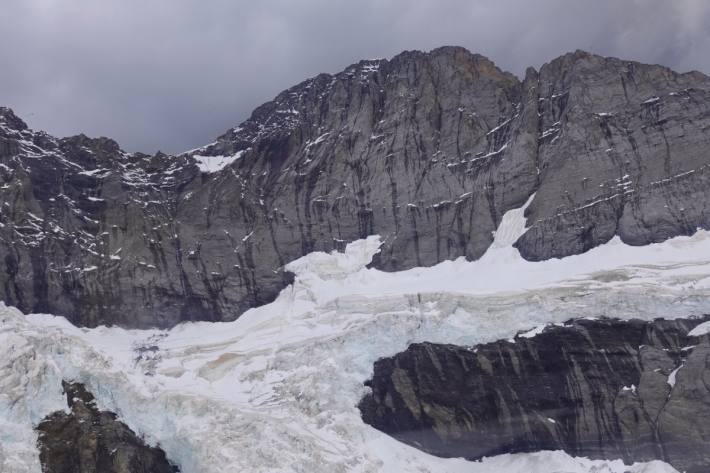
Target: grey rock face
622 152
428 150
599 389
91 441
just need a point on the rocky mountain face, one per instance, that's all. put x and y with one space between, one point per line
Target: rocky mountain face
87 440
600 389
428 150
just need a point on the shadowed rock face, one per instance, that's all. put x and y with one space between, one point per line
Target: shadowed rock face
601 389
428 150
91 441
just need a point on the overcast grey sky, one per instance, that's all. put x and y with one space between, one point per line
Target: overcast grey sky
174 74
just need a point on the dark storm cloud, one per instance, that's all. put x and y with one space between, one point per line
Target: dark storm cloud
173 74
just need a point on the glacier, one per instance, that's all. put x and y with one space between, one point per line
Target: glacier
277 389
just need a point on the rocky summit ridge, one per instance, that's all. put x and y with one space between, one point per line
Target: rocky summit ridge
428 150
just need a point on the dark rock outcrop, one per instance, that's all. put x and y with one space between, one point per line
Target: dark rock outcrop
428 150
602 389
91 441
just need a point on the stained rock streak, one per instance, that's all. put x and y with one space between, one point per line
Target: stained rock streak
602 388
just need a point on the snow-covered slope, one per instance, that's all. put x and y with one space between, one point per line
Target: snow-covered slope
276 390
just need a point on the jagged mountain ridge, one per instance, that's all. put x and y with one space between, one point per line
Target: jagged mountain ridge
427 149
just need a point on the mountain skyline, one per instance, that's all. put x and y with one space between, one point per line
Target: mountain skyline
170 76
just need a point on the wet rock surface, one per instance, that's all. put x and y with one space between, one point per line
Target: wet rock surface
87 440
602 389
428 150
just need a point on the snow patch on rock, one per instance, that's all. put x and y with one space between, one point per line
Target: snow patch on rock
212 164
700 330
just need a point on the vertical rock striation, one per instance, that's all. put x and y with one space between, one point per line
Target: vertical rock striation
428 150
601 389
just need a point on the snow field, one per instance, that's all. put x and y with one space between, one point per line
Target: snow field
277 389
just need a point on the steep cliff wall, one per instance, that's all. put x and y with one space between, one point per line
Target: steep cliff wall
593 388
426 149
